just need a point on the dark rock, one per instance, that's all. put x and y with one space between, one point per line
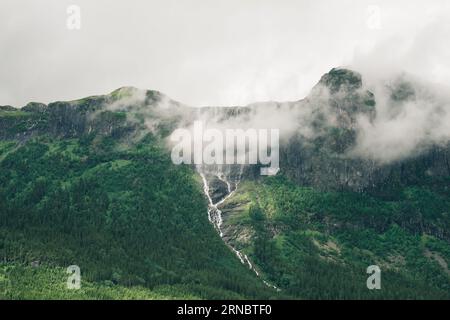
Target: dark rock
35 107
7 108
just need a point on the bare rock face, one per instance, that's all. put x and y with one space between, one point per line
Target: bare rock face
320 159
7 108
103 115
218 189
325 160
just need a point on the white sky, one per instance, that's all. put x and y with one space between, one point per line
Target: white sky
213 52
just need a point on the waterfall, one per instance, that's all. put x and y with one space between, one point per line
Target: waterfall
215 214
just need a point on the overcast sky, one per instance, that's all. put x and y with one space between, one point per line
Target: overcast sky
213 52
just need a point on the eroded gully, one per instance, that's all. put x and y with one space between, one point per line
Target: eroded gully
215 217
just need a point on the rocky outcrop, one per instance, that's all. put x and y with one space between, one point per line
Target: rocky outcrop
7 108
326 161
322 158
102 115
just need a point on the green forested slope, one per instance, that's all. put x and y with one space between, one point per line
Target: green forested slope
318 244
28 282
125 215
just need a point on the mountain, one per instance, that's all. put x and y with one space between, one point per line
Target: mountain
90 183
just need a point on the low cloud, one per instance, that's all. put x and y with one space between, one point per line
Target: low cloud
404 128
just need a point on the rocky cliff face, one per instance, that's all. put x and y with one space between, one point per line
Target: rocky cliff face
325 160
317 153
112 114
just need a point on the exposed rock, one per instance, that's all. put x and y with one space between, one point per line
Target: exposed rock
7 108
321 160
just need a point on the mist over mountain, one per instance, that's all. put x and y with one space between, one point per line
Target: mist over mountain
363 127
392 120
364 176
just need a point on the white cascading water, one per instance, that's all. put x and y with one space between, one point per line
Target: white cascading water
215 216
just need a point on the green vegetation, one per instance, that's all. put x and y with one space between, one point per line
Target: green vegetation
15 113
26 282
318 244
127 217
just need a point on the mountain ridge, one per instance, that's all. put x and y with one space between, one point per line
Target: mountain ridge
324 128
90 182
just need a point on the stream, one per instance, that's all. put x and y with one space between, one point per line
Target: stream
215 216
